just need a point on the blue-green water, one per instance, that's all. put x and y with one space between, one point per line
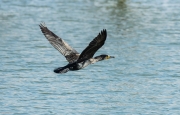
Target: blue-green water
143 35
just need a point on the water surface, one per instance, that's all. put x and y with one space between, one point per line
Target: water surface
143 35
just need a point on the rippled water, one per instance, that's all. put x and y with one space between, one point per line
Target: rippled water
143 35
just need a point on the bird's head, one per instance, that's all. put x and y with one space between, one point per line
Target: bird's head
103 57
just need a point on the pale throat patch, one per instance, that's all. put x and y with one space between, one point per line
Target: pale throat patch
107 57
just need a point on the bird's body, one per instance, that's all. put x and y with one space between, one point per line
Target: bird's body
73 66
76 61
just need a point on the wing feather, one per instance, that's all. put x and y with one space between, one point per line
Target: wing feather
93 46
70 54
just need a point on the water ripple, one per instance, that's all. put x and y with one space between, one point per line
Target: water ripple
142 35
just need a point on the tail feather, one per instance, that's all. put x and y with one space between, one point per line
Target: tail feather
61 70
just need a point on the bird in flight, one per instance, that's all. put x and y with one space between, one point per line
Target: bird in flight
76 61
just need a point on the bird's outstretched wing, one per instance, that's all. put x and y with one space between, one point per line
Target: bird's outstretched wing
93 46
70 54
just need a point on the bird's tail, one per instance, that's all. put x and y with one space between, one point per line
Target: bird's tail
61 70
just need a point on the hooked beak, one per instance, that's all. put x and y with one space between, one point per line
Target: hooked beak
112 57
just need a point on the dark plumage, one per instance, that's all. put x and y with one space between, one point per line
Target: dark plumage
76 61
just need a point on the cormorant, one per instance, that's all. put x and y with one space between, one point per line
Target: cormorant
76 61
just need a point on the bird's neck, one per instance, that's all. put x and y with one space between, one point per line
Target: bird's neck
96 59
